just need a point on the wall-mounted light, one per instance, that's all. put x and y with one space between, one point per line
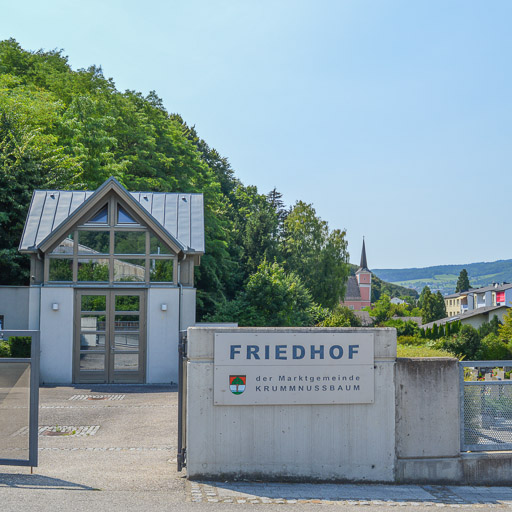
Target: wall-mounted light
55 306
163 307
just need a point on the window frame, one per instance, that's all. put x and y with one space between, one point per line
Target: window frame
112 227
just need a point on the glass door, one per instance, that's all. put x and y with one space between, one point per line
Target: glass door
110 337
127 340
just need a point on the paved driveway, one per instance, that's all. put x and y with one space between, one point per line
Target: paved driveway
113 448
100 438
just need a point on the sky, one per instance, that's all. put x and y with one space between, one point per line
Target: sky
392 117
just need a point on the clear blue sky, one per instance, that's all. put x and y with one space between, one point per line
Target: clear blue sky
393 117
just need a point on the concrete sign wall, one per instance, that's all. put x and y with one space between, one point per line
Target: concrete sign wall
313 441
293 368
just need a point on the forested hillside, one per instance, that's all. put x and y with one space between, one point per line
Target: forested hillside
66 129
444 277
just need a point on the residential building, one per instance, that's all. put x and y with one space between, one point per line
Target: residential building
454 303
487 296
475 317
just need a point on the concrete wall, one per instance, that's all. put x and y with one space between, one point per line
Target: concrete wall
427 420
56 335
188 308
410 434
57 328
34 310
162 336
297 442
478 320
14 306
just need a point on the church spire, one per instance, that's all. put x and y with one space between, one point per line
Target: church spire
363 265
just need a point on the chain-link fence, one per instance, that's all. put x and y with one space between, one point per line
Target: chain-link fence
486 405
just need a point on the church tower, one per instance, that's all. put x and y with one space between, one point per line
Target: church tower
359 287
364 279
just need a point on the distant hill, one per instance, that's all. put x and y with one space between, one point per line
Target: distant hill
444 277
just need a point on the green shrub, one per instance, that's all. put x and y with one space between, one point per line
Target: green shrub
20 346
421 351
5 349
403 327
410 340
492 348
465 344
340 316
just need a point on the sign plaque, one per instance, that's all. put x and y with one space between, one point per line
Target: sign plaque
287 368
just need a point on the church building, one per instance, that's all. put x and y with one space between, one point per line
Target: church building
359 287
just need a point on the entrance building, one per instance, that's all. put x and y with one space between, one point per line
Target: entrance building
112 281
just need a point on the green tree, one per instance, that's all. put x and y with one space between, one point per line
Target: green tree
432 306
320 257
271 297
491 327
462 282
440 306
505 330
382 310
465 344
403 328
340 316
30 157
493 348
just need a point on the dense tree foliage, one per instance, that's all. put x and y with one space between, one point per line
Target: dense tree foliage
65 129
432 305
340 316
271 297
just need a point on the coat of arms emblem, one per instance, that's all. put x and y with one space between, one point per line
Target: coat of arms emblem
237 384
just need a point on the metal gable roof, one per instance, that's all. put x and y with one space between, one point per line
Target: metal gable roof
180 214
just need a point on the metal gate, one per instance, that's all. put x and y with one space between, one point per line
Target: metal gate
19 404
182 401
485 405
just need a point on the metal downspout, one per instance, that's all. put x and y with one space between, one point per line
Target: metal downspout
181 457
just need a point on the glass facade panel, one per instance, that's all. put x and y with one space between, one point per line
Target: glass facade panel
93 270
125 362
92 362
127 302
161 271
128 270
92 341
128 341
65 247
61 269
93 242
94 303
130 242
156 246
123 217
101 217
92 322
126 323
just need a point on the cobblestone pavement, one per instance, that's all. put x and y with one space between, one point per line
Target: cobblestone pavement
347 494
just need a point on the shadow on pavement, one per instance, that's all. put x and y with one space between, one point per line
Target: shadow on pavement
17 481
119 388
